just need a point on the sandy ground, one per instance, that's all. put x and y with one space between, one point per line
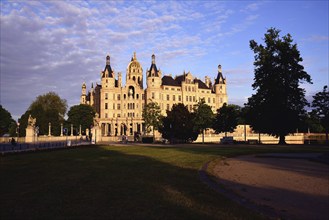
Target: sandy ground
291 188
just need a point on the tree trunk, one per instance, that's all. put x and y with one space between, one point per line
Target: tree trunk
282 140
202 136
153 136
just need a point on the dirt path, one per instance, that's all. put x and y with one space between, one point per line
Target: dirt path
292 188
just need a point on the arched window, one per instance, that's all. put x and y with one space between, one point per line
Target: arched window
134 78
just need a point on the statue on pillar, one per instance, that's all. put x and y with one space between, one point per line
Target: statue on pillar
31 121
30 130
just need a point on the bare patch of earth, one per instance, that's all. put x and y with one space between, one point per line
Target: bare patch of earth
291 185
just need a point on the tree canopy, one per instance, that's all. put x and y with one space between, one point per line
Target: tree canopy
7 123
47 108
152 116
278 104
202 117
81 115
178 126
226 118
321 108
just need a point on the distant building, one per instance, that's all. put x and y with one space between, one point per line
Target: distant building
120 107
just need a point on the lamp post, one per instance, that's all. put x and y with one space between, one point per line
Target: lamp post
17 131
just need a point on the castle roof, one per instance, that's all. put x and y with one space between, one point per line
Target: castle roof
108 68
153 69
169 81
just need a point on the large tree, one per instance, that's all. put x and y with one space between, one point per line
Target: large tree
47 108
279 102
81 115
321 108
152 116
203 117
226 118
7 123
178 126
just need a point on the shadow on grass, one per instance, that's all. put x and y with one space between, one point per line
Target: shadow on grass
104 183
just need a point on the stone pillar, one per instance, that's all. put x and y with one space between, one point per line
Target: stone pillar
80 131
106 129
30 133
71 129
61 129
49 129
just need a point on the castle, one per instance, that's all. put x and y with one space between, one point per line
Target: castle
119 107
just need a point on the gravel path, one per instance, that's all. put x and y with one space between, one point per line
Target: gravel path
289 185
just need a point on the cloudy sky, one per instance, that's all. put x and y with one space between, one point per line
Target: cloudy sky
58 45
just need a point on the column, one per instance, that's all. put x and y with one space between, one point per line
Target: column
71 129
80 130
49 129
106 129
61 129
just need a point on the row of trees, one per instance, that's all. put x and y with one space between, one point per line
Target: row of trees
49 108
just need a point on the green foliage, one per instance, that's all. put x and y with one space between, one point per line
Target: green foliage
7 123
178 125
321 106
278 105
81 115
226 118
47 108
152 116
202 117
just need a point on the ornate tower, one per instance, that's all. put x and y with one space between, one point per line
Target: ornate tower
220 88
83 96
135 72
108 80
153 82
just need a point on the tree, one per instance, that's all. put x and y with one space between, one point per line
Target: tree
81 115
47 108
203 117
152 116
178 125
226 119
321 108
279 102
6 122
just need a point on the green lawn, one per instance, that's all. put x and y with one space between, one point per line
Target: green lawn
119 182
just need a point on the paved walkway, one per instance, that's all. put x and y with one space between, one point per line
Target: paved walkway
288 186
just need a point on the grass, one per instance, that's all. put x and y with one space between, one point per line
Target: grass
119 182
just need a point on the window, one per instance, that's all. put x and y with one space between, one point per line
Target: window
173 98
208 100
142 96
119 106
152 95
137 96
168 98
168 107
173 89
106 96
118 96
119 115
179 98
193 98
105 115
190 98
105 105
213 100
187 98
113 106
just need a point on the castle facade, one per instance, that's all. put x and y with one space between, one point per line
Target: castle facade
119 107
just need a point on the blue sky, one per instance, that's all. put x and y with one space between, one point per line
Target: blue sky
58 45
